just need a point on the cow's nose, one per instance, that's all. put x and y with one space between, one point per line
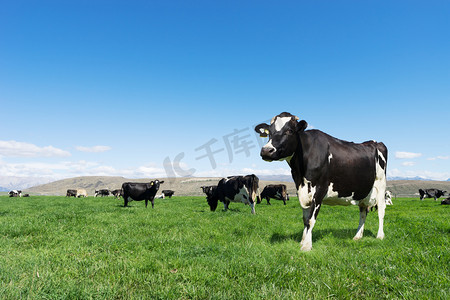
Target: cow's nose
267 151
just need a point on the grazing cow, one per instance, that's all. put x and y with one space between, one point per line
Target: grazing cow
431 193
211 193
117 193
26 195
243 189
446 201
81 193
275 191
140 191
71 193
15 193
327 170
168 193
388 198
103 193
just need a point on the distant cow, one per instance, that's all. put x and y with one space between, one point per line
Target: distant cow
81 193
71 193
431 193
243 189
140 191
327 170
117 193
210 192
26 195
102 193
388 198
168 193
446 201
15 193
275 191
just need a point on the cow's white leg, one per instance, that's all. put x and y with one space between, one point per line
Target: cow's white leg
381 210
362 220
306 243
305 220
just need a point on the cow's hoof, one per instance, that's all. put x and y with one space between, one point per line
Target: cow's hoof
305 248
380 236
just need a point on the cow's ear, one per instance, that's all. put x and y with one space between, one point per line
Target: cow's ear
151 183
301 126
262 129
162 181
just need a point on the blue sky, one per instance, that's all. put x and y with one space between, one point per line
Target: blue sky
113 88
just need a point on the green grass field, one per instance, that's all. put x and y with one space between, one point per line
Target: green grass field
93 248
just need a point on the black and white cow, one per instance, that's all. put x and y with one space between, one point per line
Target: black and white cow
431 193
243 189
15 193
102 193
275 191
117 193
140 191
211 194
327 170
388 197
446 201
71 193
168 193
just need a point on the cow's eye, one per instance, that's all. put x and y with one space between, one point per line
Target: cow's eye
289 131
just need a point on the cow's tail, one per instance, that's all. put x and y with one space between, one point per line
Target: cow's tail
255 193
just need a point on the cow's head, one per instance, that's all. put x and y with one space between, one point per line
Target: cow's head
211 196
156 183
283 136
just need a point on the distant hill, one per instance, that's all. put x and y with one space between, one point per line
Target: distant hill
182 186
410 188
8 183
191 186
409 178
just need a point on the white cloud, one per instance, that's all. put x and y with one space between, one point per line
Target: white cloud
408 163
94 149
66 169
21 149
407 155
439 157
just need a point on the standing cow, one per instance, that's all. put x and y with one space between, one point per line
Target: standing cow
275 191
243 189
102 193
167 193
117 193
140 191
71 193
211 195
81 193
327 170
431 193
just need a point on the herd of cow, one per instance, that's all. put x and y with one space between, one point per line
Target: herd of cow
326 170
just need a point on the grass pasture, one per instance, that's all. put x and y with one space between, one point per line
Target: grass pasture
57 248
